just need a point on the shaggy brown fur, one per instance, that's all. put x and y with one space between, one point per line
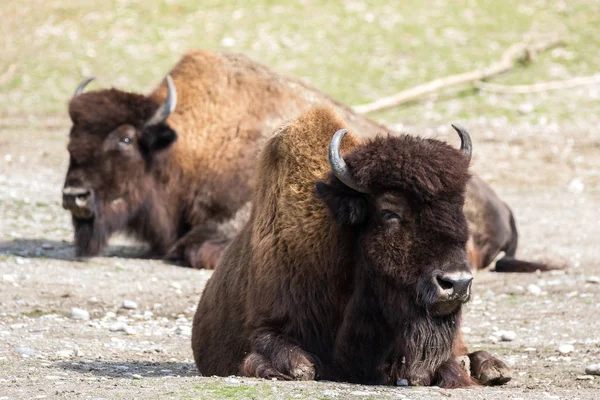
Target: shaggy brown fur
325 282
175 195
176 200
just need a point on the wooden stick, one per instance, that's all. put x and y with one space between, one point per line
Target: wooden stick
516 53
538 87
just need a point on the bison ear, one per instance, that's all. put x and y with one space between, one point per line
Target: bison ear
347 206
157 137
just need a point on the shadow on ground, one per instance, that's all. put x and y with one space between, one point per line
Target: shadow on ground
64 250
125 369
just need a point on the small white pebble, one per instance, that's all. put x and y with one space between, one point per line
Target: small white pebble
118 326
78 313
593 369
566 348
593 279
585 378
232 379
130 331
65 353
129 304
508 336
534 289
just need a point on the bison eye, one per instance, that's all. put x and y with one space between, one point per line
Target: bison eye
388 215
126 140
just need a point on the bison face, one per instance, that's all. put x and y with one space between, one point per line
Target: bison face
403 197
113 145
398 245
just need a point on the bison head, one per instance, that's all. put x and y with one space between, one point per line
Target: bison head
113 140
402 199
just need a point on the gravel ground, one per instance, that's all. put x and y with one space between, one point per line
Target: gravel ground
546 326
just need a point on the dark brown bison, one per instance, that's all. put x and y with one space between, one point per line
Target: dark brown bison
176 171
351 270
493 230
173 168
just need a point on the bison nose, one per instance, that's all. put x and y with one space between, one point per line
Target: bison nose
79 201
454 286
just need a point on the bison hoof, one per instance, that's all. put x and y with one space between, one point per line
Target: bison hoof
296 368
488 370
304 370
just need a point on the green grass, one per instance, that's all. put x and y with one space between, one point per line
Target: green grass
356 51
264 389
219 391
38 313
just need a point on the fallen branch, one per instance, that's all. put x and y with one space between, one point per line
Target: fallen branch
519 52
538 87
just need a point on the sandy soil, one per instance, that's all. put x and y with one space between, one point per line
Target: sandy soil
550 180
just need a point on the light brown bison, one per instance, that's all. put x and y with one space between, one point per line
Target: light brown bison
176 171
351 270
173 168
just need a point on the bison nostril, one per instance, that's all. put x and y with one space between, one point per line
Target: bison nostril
454 285
446 285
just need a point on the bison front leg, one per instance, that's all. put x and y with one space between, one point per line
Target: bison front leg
484 368
201 247
204 244
488 370
277 356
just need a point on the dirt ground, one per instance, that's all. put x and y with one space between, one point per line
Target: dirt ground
548 174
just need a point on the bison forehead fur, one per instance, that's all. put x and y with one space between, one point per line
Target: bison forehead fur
100 112
426 168
295 295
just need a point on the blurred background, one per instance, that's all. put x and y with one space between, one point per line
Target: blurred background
355 50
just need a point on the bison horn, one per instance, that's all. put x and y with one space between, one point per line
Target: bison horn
82 85
466 145
338 165
168 106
